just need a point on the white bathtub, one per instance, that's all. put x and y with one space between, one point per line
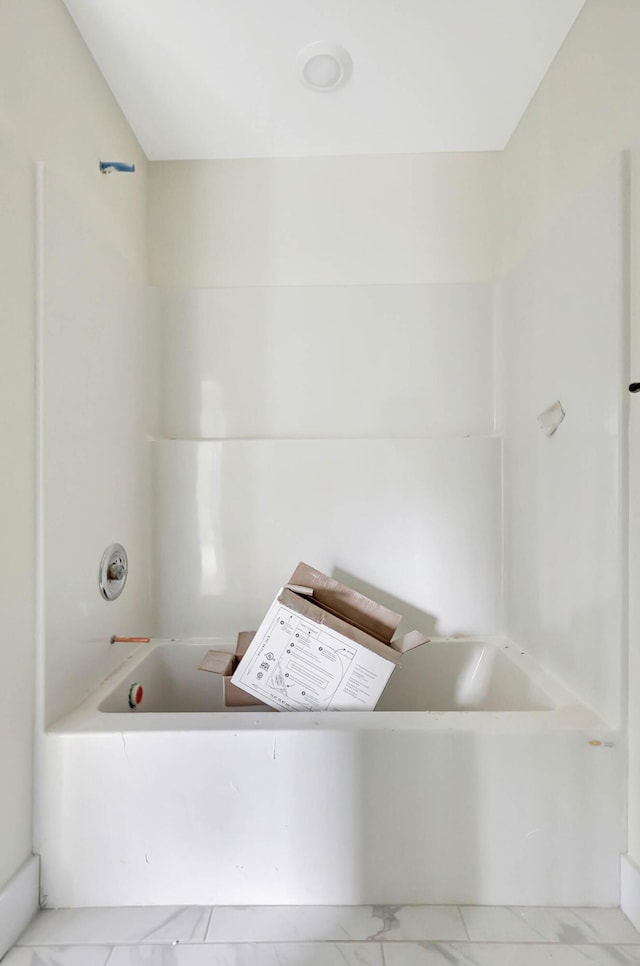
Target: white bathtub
444 676
479 779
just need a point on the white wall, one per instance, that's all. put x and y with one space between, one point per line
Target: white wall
95 461
54 108
413 523
325 221
327 361
17 501
584 113
327 351
563 320
58 107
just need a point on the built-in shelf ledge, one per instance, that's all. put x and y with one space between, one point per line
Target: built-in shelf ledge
319 439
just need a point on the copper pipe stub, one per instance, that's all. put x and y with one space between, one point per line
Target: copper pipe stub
129 640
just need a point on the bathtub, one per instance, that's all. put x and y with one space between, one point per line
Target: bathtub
478 779
445 676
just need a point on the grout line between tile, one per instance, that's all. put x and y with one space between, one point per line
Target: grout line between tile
209 921
551 943
464 924
605 946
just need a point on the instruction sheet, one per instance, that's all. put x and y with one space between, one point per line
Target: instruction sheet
295 664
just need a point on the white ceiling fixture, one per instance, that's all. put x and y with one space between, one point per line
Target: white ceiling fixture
323 67
217 78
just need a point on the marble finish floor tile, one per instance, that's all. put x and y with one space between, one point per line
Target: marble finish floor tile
614 955
577 926
419 923
250 954
508 954
130 924
238 924
57 956
523 924
497 924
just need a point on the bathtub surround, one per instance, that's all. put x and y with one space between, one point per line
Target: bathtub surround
327 394
387 219
96 416
562 317
293 273
366 361
471 361
94 313
434 503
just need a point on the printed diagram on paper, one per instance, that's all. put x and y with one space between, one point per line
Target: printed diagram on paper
303 666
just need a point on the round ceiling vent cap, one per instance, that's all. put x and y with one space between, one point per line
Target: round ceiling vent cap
324 67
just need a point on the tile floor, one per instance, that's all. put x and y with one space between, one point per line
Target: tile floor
328 936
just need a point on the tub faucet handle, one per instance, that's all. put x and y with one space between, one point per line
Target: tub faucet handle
113 572
116 570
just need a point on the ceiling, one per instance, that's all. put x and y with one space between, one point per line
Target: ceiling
217 78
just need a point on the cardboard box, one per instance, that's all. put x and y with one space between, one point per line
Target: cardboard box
322 647
233 696
224 664
218 662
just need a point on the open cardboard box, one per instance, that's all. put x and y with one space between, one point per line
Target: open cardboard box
224 664
321 646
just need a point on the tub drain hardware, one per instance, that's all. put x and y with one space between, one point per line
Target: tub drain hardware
136 694
114 570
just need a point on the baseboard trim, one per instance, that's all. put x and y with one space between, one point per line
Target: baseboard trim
19 902
630 890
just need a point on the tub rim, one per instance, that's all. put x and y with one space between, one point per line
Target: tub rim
570 712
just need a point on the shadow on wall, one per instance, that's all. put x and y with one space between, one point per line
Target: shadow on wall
412 617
